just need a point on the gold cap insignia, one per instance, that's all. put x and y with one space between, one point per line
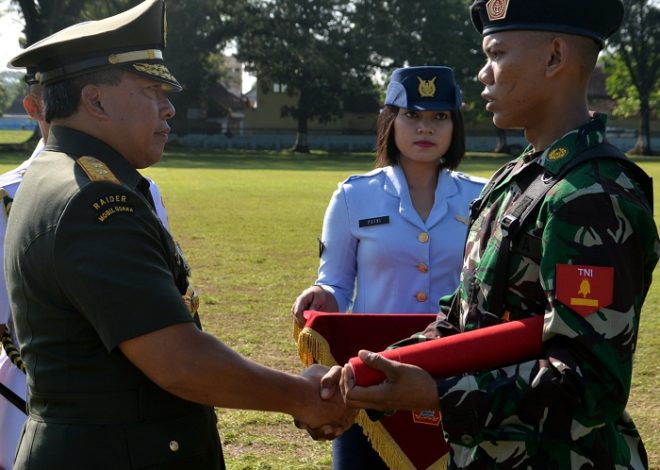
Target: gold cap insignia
496 9
556 154
426 87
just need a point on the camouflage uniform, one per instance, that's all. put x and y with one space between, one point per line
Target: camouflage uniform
567 409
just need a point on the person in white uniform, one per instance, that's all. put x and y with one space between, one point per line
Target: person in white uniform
393 238
12 378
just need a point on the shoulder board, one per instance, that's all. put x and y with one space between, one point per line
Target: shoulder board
365 175
97 170
473 179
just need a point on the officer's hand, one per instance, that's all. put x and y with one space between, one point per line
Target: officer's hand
327 417
406 387
313 298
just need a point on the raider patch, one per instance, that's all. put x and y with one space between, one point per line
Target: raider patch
584 289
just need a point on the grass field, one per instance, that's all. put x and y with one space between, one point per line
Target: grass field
248 223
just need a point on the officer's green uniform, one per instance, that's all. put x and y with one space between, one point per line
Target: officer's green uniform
89 265
584 260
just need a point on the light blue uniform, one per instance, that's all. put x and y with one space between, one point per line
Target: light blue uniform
376 246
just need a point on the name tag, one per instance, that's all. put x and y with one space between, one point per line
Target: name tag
383 219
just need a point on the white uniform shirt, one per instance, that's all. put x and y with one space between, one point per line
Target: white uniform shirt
378 256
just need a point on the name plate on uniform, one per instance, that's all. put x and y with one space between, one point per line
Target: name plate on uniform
383 219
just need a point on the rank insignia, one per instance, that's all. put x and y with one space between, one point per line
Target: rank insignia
558 153
430 417
584 289
426 88
496 9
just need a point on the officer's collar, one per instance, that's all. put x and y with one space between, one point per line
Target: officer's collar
77 143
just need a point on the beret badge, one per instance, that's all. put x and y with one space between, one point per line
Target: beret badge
496 9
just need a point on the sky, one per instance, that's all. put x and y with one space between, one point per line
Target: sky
11 25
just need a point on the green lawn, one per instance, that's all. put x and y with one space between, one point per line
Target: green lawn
248 222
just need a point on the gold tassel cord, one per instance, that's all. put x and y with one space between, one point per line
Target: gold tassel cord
314 348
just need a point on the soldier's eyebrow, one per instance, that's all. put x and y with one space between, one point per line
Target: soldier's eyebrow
491 44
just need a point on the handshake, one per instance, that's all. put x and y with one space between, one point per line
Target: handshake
338 399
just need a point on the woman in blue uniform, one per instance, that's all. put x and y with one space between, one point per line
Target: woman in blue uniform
393 238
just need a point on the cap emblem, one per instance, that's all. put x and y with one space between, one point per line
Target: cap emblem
426 88
157 70
496 9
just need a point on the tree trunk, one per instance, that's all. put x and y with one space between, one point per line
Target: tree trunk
643 144
301 145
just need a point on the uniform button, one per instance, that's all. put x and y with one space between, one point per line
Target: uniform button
174 446
422 268
423 237
421 296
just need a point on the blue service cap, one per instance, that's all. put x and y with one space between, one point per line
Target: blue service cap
424 88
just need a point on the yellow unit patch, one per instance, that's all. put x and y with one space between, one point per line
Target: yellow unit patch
97 170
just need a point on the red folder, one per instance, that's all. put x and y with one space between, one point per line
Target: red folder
405 440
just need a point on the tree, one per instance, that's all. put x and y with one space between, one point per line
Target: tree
308 45
634 67
195 30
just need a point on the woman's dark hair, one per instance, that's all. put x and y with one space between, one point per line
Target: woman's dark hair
61 99
387 152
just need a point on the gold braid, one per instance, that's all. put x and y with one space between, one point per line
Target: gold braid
10 349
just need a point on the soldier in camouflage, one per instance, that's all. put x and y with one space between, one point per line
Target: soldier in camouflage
583 259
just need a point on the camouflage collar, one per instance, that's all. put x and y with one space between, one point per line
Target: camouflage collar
570 144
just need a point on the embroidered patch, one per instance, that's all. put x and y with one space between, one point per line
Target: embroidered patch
430 417
111 204
382 220
96 170
558 153
584 289
496 9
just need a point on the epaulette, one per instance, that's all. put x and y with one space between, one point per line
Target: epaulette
97 170
365 175
471 178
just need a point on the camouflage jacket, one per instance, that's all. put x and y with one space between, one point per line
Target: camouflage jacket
566 409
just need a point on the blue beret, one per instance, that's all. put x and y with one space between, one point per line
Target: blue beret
596 19
424 88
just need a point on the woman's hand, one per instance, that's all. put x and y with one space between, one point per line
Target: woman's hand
313 298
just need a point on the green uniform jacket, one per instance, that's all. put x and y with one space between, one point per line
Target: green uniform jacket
567 409
89 265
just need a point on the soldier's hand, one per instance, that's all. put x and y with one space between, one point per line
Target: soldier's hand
328 417
406 387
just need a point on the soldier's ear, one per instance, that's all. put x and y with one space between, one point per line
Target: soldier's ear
558 53
91 101
33 107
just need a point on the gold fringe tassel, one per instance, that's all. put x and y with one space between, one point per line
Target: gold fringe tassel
313 348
